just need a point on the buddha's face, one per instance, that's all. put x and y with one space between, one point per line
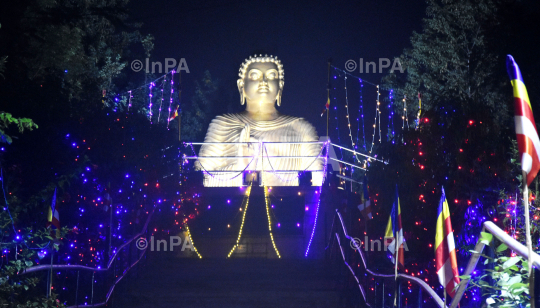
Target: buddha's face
261 84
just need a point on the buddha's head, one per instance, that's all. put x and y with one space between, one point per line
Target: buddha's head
261 81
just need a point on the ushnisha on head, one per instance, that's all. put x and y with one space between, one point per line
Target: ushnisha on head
261 81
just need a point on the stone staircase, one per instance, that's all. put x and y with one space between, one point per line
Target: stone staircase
165 280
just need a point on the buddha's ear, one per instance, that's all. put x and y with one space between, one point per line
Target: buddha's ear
280 92
240 83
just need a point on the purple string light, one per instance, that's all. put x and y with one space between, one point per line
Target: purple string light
161 100
130 96
150 104
318 202
171 99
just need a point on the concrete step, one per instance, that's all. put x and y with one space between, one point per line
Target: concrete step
168 281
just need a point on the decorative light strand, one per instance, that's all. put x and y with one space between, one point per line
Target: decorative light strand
150 103
348 117
391 115
161 100
267 198
336 116
191 240
379 112
360 116
318 203
130 96
375 122
171 99
404 116
246 199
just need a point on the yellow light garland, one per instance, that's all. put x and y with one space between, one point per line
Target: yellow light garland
191 240
246 199
266 198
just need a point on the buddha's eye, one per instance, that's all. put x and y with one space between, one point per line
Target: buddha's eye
254 75
271 75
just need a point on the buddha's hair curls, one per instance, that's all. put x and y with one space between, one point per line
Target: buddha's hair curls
263 59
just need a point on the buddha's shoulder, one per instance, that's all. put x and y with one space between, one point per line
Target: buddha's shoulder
227 119
301 122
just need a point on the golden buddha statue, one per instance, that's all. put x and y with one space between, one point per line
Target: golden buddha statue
261 86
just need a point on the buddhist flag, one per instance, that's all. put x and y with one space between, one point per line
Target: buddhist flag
175 113
327 107
53 218
445 252
365 206
526 133
393 236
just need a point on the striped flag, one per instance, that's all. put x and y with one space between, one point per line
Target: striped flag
445 252
327 107
53 218
526 133
394 229
175 113
365 206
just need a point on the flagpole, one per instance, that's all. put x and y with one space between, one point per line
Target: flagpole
110 228
527 219
51 271
444 291
396 247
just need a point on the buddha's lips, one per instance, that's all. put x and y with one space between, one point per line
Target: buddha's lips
263 90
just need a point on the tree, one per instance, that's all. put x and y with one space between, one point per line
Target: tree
462 140
196 117
71 52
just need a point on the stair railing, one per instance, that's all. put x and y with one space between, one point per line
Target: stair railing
414 280
111 267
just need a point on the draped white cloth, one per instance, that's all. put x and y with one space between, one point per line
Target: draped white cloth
240 128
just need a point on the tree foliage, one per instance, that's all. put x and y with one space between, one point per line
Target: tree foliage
196 116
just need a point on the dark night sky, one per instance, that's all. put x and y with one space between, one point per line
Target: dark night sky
218 35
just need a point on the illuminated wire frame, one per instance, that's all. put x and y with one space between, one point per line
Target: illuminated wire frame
246 201
267 198
191 240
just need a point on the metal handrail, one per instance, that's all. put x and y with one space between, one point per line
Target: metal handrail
276 142
275 157
502 236
98 269
416 280
211 157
